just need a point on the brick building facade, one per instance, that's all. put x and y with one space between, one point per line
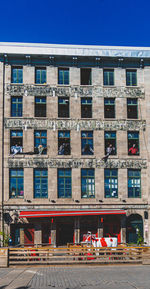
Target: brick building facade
61 108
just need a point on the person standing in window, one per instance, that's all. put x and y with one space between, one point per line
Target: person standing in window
133 150
109 151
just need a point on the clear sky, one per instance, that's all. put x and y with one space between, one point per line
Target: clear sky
95 22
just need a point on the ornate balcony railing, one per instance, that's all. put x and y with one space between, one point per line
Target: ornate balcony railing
74 91
74 124
76 163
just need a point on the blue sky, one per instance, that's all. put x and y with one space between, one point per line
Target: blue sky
96 22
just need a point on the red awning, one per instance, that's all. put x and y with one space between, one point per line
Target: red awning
42 214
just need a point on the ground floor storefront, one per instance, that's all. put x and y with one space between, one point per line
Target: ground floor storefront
63 227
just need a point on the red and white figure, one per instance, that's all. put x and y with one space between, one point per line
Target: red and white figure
101 242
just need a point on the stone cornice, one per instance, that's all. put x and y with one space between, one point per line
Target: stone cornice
76 163
74 91
34 123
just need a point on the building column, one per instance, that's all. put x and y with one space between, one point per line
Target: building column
76 230
53 232
38 234
100 227
123 229
22 236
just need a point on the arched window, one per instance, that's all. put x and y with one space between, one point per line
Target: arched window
134 225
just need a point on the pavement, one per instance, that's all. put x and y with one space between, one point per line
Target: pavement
76 277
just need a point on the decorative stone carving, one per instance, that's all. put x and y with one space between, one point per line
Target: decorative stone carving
76 163
33 123
74 91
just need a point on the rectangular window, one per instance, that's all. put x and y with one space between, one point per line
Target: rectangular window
131 77
111 183
40 107
16 106
86 107
110 141
87 183
64 183
132 108
134 183
133 143
40 142
108 75
16 142
63 107
87 143
63 76
17 74
109 107
64 142
40 183
16 183
86 76
40 75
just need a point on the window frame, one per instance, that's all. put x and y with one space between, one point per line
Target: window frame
17 177
41 177
109 70
60 110
85 106
41 69
82 81
114 139
133 178
106 106
17 77
63 69
88 140
20 139
133 140
16 103
131 82
64 177
87 194
37 109
41 138
133 105
110 183
66 139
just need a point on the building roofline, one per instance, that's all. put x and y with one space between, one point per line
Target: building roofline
15 48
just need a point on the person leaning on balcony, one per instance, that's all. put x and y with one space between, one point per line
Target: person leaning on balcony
133 150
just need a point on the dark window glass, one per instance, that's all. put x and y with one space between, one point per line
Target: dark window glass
108 76
17 75
16 106
40 106
87 143
133 143
132 108
16 142
63 107
40 75
87 183
109 107
111 183
64 183
131 77
40 142
16 183
86 107
64 142
40 183
134 183
86 76
110 140
63 76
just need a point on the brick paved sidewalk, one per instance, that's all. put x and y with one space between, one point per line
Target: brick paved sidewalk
89 277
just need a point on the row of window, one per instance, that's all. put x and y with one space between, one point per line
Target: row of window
64 142
64 183
64 110
63 76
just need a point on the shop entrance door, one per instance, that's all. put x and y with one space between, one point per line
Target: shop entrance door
112 229
29 236
64 231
